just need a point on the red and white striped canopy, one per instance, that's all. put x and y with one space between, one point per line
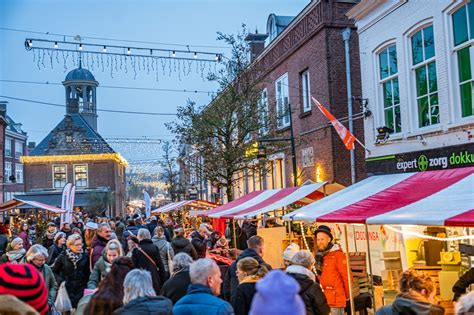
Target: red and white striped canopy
440 198
190 203
262 201
15 203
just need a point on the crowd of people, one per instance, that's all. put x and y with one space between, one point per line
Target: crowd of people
104 266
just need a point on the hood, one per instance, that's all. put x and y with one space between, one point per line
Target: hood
181 242
198 288
149 304
304 281
404 305
250 253
158 238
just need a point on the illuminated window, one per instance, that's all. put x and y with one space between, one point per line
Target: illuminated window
80 175
59 176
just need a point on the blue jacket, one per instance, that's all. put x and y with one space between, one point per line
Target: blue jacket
201 301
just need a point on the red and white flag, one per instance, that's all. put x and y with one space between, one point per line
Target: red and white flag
346 136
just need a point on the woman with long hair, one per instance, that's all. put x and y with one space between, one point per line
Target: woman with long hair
112 251
109 295
57 248
249 271
25 235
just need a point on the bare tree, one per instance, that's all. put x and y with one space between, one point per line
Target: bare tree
169 173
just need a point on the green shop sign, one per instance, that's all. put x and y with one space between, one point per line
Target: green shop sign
420 161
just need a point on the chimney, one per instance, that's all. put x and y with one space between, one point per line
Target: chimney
3 109
257 44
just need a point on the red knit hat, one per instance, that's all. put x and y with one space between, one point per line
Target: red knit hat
26 283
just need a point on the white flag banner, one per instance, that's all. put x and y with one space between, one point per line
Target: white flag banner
64 201
70 204
146 196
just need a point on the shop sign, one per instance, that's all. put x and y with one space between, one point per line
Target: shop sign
307 157
420 161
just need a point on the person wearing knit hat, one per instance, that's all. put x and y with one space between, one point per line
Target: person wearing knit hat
16 253
289 252
277 294
26 283
48 237
57 248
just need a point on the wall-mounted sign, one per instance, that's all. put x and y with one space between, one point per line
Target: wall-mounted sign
420 161
307 157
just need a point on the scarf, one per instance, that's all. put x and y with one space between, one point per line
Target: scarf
107 266
302 271
73 257
14 256
320 258
250 279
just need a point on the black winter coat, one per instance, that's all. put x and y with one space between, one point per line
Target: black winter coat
156 305
182 245
53 253
230 281
250 229
199 243
177 286
3 244
156 269
76 277
312 295
463 283
243 298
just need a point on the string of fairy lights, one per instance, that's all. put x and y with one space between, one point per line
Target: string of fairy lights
159 62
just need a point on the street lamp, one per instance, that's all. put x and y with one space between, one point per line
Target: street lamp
261 149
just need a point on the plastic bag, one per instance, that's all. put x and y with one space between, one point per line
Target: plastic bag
63 303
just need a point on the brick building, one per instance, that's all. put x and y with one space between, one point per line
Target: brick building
75 152
3 125
306 56
15 148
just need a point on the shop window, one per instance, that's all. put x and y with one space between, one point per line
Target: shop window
19 173
8 147
18 149
424 68
263 113
8 171
388 71
80 175
306 93
282 99
463 33
59 176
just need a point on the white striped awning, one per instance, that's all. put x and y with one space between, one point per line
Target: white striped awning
15 203
179 204
440 198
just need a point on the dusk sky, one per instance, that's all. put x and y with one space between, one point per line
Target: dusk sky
192 23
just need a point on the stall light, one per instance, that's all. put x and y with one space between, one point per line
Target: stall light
116 157
420 235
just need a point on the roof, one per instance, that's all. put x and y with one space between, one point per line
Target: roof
80 74
14 127
72 136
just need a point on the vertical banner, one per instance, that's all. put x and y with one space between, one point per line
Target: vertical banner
146 196
64 201
70 204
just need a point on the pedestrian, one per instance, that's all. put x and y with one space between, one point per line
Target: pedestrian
417 292
465 304
199 240
313 297
89 234
147 256
289 252
181 244
249 271
25 235
57 248
16 253
109 295
112 251
212 240
3 239
72 266
119 228
139 297
130 230
37 256
166 251
277 294
48 237
132 243
331 266
104 232
255 249
66 229
202 293
26 283
177 286
151 226
250 228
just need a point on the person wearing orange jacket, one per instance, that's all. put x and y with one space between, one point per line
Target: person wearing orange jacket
331 266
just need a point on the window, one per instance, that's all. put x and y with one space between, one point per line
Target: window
8 171
19 173
388 82
18 149
283 117
424 68
463 29
8 147
306 93
80 175
263 112
59 176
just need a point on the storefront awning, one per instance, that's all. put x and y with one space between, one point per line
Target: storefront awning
259 202
190 203
16 203
441 198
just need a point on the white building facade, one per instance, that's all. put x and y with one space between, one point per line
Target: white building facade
417 67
